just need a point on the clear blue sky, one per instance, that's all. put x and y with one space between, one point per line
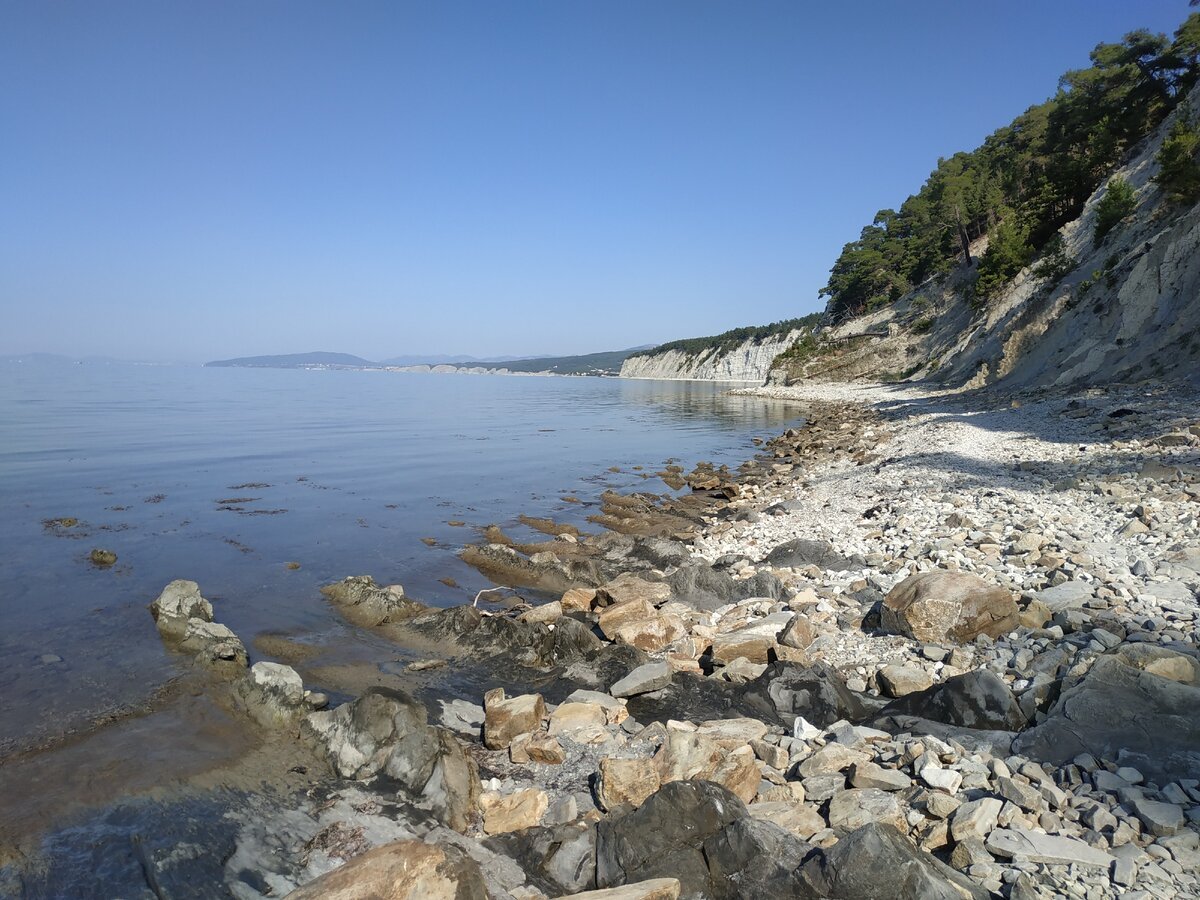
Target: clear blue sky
191 180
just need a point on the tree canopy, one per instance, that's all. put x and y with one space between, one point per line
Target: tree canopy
1025 181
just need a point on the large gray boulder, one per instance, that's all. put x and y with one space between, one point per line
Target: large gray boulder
933 607
558 859
877 862
386 733
1136 705
752 859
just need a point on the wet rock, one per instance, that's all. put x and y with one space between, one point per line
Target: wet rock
979 699
933 607
386 732
505 718
877 861
102 558
272 694
365 603
665 837
801 552
643 680
213 644
404 869
1137 704
179 601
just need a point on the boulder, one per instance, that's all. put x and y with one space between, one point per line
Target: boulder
273 694
404 870
798 633
1137 705
978 699
505 718
755 641
752 859
878 862
665 837
213 644
900 681
386 732
365 603
933 607
653 633
627 587
801 819
626 781
512 812
852 808
569 718
179 601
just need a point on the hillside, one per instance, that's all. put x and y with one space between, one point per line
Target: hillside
314 360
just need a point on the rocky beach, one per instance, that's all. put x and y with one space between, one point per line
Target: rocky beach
924 645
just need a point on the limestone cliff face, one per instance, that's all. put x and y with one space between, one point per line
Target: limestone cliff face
1128 310
748 361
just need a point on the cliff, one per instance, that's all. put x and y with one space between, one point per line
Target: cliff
1125 310
747 360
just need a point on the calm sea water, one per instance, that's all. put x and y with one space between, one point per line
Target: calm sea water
225 476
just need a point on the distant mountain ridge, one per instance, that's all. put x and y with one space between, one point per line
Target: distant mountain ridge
297 361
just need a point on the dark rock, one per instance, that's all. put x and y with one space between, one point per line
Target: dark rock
785 691
102 558
702 586
660 553
978 699
665 837
877 862
801 552
1136 705
750 859
365 603
530 644
559 859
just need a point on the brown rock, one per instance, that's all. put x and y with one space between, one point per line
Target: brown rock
938 606
1035 614
798 633
404 870
755 641
800 819
651 634
512 812
899 681
613 617
628 587
572 717
546 613
654 889
626 781
578 600
504 719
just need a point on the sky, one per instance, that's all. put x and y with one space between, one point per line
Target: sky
196 180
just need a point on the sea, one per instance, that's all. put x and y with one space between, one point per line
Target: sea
262 485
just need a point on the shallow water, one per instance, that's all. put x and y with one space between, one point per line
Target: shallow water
225 476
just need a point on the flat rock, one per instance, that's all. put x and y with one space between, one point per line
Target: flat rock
404 870
899 681
755 641
651 889
512 812
1051 849
642 680
505 718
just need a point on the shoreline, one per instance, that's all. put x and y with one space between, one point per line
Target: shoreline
924 458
